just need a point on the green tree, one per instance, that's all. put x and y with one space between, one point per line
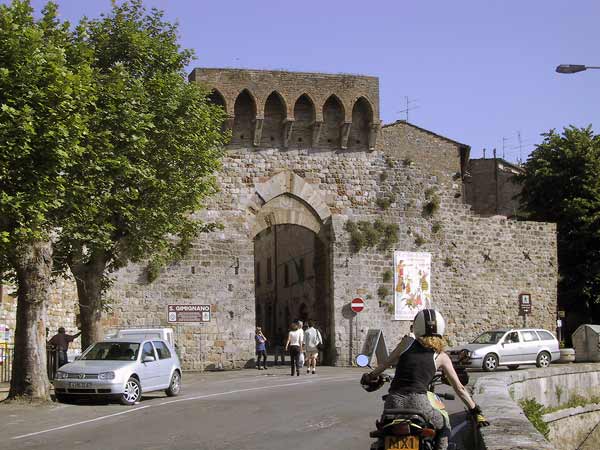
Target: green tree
561 184
44 93
153 144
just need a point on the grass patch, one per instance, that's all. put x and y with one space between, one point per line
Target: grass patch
436 227
534 412
385 202
383 292
387 276
365 234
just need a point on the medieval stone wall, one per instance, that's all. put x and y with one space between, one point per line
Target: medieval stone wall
479 265
61 311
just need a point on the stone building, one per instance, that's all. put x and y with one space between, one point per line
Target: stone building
308 155
492 188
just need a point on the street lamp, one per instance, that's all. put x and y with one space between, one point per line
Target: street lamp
573 68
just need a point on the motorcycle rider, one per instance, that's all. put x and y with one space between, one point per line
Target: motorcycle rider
417 361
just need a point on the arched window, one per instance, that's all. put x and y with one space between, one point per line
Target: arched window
333 116
272 131
244 116
362 117
304 115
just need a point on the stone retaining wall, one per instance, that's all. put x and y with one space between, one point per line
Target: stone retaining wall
499 394
575 427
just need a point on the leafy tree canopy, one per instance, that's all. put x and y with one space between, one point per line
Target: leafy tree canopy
153 144
45 93
561 184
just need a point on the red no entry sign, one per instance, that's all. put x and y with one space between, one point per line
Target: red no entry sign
357 305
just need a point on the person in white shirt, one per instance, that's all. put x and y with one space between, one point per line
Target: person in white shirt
295 344
312 340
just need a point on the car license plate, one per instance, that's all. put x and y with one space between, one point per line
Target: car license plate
80 385
401 443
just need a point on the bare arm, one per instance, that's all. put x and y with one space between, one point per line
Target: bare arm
393 358
445 364
287 344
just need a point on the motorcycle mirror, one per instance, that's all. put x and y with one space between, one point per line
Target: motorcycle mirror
362 361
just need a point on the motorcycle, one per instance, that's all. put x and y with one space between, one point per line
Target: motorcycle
407 428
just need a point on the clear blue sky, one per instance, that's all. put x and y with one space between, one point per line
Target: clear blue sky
478 70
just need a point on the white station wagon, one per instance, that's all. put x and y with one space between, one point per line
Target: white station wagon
123 368
507 348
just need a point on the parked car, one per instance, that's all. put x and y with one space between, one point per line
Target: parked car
122 368
507 348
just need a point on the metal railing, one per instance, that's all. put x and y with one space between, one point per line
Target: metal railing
6 359
7 352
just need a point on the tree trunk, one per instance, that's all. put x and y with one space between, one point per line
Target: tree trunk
33 266
89 278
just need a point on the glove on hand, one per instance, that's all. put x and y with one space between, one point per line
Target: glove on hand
367 378
480 419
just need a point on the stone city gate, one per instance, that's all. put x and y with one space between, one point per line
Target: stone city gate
308 158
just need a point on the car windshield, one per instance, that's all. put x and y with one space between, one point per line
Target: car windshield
113 351
490 337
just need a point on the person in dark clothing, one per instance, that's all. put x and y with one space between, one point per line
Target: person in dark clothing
60 342
280 340
261 349
295 345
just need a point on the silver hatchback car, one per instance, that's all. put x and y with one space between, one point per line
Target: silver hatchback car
507 348
122 368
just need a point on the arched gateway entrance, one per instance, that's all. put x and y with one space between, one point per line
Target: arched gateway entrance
292 259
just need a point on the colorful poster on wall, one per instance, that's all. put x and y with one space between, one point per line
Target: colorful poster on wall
412 284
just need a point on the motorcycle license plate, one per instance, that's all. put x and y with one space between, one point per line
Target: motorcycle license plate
401 443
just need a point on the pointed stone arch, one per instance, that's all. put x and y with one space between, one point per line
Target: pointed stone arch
287 199
362 120
333 118
244 111
274 118
304 121
216 98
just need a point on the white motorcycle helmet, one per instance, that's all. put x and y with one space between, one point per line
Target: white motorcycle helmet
429 322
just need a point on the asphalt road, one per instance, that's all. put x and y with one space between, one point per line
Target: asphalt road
242 410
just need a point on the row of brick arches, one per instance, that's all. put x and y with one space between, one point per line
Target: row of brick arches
276 130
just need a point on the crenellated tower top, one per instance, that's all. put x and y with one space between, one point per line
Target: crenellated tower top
279 109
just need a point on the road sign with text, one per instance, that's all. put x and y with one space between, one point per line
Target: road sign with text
188 313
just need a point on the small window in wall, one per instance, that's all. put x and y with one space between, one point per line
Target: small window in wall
269 271
286 275
162 350
257 274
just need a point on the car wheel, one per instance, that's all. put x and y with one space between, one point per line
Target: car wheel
513 367
175 385
490 362
543 360
132 392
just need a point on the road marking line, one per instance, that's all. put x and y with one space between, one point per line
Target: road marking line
200 397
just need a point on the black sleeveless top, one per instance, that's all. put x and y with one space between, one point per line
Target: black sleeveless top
415 370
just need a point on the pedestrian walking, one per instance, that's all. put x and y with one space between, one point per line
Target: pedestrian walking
312 341
280 339
295 345
301 358
60 342
261 348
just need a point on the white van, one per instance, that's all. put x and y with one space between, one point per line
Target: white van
166 334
